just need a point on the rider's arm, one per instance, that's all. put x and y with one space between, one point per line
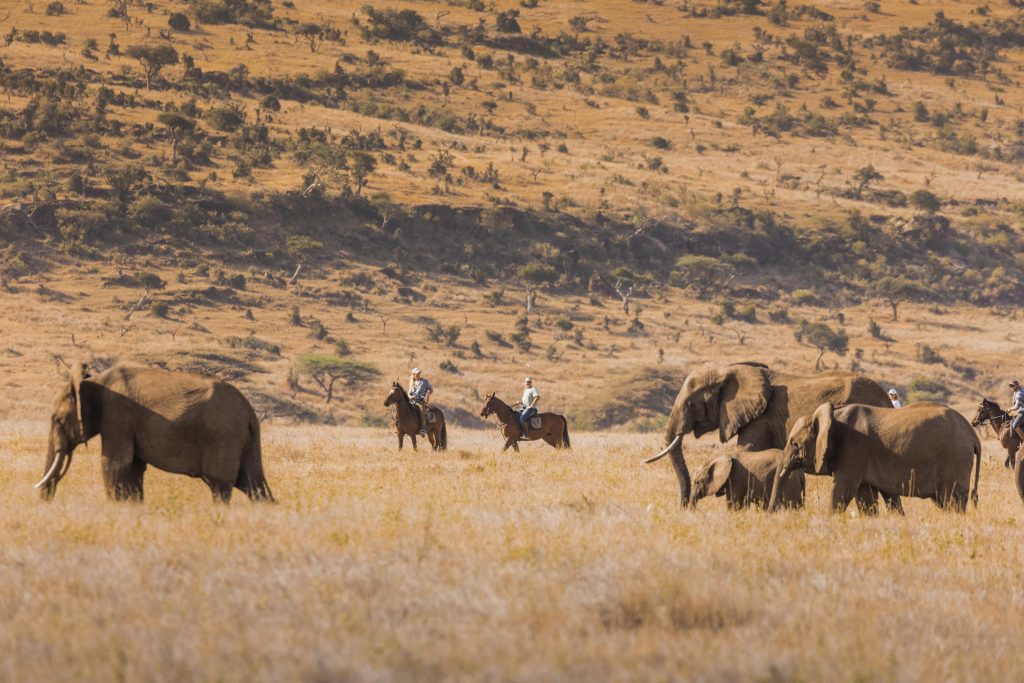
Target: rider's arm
536 397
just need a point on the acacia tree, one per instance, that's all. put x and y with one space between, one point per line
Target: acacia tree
864 177
361 166
705 274
177 125
894 291
327 371
311 33
152 58
823 338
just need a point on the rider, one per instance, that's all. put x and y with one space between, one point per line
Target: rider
419 393
894 396
1018 409
529 401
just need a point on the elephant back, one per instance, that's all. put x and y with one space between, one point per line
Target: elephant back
798 395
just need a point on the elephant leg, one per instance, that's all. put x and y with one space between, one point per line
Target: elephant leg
893 503
221 491
842 494
867 499
122 471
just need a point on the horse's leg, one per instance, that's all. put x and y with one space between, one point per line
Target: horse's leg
433 437
510 441
413 437
401 440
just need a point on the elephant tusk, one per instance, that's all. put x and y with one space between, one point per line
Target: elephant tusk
58 460
67 466
659 456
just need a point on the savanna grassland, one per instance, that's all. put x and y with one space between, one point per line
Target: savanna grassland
602 194
472 565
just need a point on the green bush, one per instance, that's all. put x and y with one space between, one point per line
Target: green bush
538 273
927 389
179 22
254 343
150 212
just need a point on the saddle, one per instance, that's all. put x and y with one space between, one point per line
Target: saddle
424 408
534 421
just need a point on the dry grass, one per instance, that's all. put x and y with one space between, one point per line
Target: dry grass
474 565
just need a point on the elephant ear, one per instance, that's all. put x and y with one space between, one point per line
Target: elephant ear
743 397
719 475
821 427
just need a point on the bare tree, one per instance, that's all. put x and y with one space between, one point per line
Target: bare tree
624 294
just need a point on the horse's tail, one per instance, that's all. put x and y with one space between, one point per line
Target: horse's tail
565 434
442 437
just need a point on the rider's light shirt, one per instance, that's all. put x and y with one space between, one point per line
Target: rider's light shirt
529 395
419 390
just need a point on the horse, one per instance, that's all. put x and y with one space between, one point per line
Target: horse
990 413
554 428
407 420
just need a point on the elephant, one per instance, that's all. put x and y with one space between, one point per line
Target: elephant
175 421
923 450
758 406
746 479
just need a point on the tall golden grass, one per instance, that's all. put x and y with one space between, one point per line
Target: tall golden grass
473 565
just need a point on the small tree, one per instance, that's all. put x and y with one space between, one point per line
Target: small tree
823 338
119 10
311 33
894 291
177 125
864 177
361 166
327 371
152 58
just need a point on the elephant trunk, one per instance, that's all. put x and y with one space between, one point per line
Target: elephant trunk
679 465
773 503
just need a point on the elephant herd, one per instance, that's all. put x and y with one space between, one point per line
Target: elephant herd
836 424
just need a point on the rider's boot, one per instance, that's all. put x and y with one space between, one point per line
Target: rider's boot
1019 431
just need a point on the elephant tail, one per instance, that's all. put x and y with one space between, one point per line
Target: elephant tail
977 470
442 438
251 479
565 434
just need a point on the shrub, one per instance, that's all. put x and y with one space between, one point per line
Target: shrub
497 338
537 273
160 309
55 9
449 367
149 280
179 22
446 335
150 212
254 343
927 354
227 119
803 297
927 389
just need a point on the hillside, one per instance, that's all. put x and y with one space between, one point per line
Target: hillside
738 167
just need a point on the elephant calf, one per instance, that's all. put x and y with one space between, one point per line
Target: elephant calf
746 479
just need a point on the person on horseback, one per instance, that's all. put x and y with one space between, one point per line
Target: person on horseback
419 394
529 401
894 396
1018 409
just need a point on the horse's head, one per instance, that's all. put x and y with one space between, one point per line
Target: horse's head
394 394
986 411
488 406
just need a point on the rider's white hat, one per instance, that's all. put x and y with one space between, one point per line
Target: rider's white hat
415 371
893 392
528 379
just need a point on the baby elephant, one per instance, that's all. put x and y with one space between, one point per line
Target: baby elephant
745 479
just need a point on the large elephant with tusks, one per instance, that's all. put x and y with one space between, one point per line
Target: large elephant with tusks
758 406
175 421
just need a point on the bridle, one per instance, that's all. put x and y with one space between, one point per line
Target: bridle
990 418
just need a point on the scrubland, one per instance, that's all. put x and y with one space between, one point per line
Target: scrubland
470 564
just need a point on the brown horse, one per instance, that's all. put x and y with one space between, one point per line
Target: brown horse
407 420
990 413
553 427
